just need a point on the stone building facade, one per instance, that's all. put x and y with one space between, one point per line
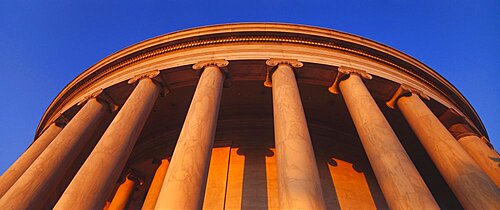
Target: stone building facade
257 116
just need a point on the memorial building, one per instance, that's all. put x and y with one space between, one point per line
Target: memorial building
257 116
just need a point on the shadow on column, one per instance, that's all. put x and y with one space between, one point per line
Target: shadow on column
497 160
424 164
346 177
255 192
373 186
327 185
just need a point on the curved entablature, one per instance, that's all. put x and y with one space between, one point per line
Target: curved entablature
261 41
319 118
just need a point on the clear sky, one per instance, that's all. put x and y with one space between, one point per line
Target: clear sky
45 44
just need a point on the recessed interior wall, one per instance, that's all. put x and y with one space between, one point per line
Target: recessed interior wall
242 172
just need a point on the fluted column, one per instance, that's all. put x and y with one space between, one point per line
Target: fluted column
124 192
102 168
10 176
31 189
469 183
155 187
185 182
298 179
399 180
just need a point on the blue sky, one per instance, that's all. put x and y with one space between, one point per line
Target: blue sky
44 45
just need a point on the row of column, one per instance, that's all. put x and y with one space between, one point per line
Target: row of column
128 184
132 180
398 178
470 184
40 168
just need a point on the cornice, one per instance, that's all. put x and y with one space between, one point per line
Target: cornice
260 32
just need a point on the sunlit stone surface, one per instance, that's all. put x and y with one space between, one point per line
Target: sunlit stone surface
242 116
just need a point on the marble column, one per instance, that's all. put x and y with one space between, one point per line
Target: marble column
185 182
89 187
298 179
469 183
31 189
486 157
10 176
479 149
124 192
155 187
399 180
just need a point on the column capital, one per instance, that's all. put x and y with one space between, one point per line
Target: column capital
61 120
451 117
133 176
101 96
274 63
343 73
155 76
458 125
221 63
404 90
487 142
149 74
460 130
291 62
159 160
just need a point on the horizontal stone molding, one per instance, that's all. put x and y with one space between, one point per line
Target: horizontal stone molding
266 34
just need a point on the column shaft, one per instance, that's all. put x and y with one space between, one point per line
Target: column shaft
399 180
184 184
15 171
487 158
102 168
122 195
30 190
298 178
155 187
469 183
